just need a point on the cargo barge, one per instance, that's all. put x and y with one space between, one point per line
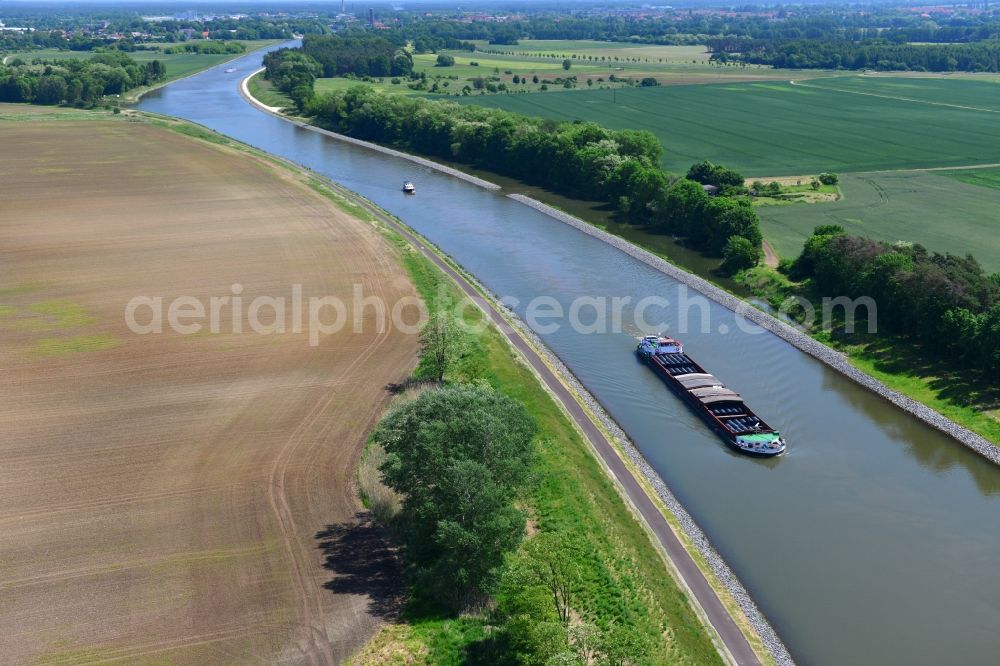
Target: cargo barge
720 407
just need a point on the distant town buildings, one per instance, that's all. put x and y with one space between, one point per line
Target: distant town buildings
4 28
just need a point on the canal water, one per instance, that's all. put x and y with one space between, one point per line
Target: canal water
875 540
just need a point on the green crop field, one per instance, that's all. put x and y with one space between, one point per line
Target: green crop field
983 177
774 128
982 92
935 209
332 85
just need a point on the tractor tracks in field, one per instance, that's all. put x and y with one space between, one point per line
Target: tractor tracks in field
897 98
315 644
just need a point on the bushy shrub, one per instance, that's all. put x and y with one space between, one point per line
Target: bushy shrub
739 254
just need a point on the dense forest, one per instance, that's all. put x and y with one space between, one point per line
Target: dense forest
358 53
76 81
869 54
945 302
293 72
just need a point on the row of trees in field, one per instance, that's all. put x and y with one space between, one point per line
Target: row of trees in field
868 54
431 43
576 159
358 53
946 302
76 81
208 47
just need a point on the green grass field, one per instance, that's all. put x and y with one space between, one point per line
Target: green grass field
989 178
983 93
262 90
936 209
595 61
772 129
676 69
178 65
765 128
333 85
669 64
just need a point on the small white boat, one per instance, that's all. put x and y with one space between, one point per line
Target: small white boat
409 188
230 70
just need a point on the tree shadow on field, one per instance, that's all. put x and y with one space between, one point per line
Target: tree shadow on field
394 388
364 561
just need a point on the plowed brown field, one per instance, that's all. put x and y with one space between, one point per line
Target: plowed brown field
161 494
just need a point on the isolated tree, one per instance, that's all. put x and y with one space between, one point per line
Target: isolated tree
442 343
566 64
445 60
459 456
